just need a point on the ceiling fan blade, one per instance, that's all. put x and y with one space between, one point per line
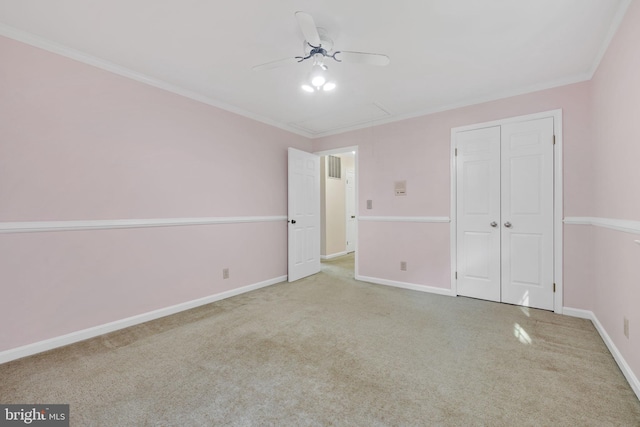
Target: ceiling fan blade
308 27
275 64
363 58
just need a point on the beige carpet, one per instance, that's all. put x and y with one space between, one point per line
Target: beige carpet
328 350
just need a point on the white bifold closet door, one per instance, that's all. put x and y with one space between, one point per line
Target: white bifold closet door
504 199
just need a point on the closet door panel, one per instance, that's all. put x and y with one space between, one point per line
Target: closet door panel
478 206
527 213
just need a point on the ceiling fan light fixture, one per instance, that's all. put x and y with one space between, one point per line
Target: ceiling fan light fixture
329 86
318 76
318 81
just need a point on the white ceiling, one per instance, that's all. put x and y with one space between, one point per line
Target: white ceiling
444 53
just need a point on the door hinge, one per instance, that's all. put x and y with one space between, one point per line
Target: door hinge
554 288
456 152
456 275
554 140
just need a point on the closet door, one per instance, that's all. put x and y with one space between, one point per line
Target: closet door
527 213
478 213
504 199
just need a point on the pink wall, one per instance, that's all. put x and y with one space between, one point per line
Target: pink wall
383 245
60 282
83 143
418 150
80 143
616 114
578 271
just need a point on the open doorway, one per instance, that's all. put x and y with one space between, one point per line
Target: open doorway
338 207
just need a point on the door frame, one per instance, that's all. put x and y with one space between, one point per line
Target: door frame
356 171
557 197
355 206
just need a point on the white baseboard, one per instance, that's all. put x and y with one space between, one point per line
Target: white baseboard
331 256
624 367
577 312
49 344
405 285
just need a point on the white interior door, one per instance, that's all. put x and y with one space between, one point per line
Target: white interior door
350 203
478 205
304 214
527 213
504 199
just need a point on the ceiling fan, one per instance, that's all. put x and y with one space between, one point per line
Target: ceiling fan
319 47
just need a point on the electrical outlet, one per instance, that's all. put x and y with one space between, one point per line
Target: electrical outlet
626 327
403 265
369 204
225 273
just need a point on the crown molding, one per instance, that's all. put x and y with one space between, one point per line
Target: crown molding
578 78
68 52
613 29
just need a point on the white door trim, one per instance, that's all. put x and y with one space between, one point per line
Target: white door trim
354 220
558 196
357 173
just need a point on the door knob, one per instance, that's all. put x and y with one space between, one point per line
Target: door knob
293 221
353 216
494 224
507 224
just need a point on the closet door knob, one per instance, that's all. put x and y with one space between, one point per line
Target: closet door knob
507 224
494 224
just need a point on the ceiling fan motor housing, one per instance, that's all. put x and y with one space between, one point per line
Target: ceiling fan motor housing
325 42
321 47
